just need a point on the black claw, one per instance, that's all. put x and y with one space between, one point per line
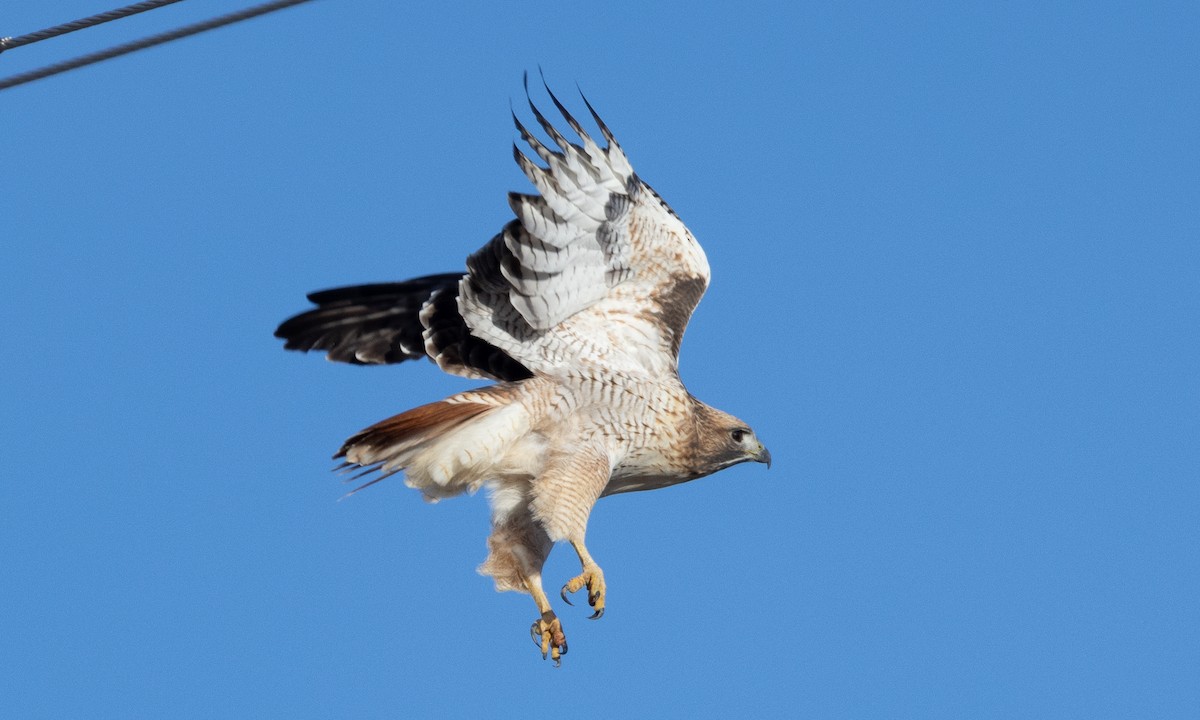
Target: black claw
562 649
597 615
535 635
563 594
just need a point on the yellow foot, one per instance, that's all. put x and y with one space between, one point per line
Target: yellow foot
547 634
593 577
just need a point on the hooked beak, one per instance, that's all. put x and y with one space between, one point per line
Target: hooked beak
763 455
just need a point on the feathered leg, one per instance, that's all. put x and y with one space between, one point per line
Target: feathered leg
518 549
563 499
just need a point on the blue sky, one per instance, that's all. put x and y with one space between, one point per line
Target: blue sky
955 251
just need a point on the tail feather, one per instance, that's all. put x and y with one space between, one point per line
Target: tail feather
444 448
407 428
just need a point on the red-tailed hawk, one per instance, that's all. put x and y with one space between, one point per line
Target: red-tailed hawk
577 308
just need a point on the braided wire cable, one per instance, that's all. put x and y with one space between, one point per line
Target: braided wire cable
13 42
146 42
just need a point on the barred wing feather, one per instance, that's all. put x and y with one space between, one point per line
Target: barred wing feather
596 269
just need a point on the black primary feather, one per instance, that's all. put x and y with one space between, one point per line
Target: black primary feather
381 324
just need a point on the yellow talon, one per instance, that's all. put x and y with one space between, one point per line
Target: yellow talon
547 634
592 577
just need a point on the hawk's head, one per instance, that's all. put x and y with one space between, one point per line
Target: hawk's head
721 440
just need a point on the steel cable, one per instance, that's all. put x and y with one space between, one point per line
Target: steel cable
150 41
14 42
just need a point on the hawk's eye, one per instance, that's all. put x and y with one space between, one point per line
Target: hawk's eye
738 435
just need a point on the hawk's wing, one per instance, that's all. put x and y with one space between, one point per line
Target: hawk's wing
595 269
389 323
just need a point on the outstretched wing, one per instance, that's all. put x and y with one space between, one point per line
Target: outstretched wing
596 269
393 322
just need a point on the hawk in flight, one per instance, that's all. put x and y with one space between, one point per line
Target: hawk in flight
576 309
